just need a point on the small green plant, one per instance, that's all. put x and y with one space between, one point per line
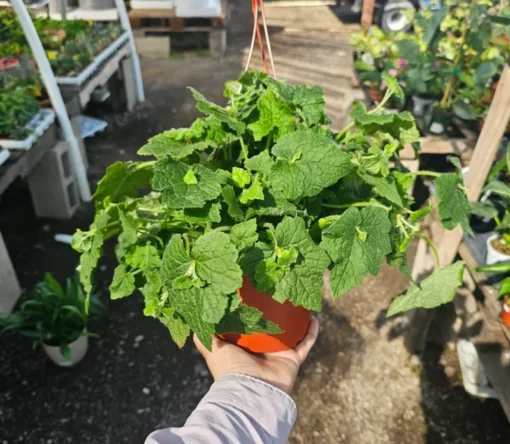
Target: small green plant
263 188
54 315
18 106
502 268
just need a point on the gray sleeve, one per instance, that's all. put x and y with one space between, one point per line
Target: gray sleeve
237 409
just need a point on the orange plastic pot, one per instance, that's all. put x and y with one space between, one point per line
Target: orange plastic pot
505 314
292 320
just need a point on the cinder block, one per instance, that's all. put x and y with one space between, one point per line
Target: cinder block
218 42
75 123
10 290
128 76
153 46
53 185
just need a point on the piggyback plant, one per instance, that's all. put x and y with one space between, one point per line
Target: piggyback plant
261 187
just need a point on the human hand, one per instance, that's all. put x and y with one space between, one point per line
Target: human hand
279 369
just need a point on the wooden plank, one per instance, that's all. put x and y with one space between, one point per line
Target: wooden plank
21 162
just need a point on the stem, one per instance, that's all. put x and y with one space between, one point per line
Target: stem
451 83
432 247
424 173
269 140
357 204
188 246
273 233
245 150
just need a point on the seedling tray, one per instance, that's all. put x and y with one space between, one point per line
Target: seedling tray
37 126
100 58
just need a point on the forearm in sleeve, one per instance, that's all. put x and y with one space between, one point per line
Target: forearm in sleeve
237 409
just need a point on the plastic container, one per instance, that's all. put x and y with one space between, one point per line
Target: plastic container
4 155
37 126
494 256
78 350
292 320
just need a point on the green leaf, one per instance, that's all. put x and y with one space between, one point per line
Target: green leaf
123 283
354 256
267 274
484 209
498 187
385 187
218 112
418 215
433 24
504 287
393 85
246 320
176 143
453 206
292 232
144 258
307 163
241 177
170 176
175 261
123 180
463 111
255 192
273 115
437 289
245 234
190 178
210 212
234 210
91 246
178 328
128 236
190 304
261 162
310 99
215 305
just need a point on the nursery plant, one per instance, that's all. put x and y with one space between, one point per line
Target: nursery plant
55 315
262 188
18 106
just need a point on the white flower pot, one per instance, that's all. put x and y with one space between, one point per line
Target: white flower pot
78 349
420 105
494 256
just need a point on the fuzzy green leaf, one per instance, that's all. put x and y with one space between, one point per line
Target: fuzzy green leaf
175 143
245 234
246 320
218 112
128 236
123 283
170 176
241 177
453 206
178 328
123 180
234 210
273 115
393 85
144 258
357 242
261 162
215 305
190 304
310 99
255 192
385 187
307 163
437 289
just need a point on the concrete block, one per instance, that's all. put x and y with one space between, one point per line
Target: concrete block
75 123
128 76
153 46
218 42
53 185
10 289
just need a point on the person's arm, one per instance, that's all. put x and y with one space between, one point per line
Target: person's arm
249 402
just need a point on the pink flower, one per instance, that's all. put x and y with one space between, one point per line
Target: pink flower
402 63
393 72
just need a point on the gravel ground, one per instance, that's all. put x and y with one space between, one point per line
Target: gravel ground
357 387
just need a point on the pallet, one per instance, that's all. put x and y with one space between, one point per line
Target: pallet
165 20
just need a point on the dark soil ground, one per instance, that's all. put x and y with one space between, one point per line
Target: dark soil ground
356 387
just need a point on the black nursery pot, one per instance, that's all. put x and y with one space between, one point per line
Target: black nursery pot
437 122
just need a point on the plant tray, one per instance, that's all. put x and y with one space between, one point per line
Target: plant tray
38 126
4 155
89 70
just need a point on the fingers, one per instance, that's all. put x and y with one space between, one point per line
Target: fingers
306 344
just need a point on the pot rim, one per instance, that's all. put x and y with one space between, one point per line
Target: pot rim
489 245
45 344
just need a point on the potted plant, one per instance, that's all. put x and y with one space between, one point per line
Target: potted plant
56 318
229 230
501 268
